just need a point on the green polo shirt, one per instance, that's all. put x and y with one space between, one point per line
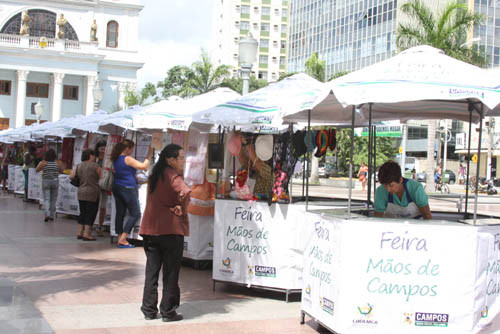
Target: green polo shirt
417 193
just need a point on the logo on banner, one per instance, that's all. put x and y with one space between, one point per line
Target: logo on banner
263 271
326 304
431 319
306 298
366 319
227 267
483 322
408 318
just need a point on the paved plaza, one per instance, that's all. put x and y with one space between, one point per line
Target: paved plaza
52 283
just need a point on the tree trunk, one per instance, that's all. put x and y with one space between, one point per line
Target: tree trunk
431 139
314 170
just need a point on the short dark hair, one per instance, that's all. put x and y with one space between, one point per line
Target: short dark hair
50 155
87 153
389 172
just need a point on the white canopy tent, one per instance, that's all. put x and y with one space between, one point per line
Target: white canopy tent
118 122
177 113
265 106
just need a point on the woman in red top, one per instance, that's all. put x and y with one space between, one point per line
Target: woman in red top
164 225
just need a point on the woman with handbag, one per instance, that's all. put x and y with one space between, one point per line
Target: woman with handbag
164 225
50 169
125 188
88 173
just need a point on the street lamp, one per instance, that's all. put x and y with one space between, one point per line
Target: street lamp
38 111
98 95
247 55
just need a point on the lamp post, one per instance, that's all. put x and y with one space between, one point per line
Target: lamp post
247 55
38 111
98 95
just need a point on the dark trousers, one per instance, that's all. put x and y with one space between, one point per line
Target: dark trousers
166 251
88 212
126 198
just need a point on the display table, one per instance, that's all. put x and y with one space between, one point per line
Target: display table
259 245
35 185
199 245
18 180
11 183
370 275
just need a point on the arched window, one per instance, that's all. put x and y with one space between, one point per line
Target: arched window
43 23
112 34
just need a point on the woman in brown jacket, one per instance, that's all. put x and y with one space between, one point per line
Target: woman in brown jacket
164 225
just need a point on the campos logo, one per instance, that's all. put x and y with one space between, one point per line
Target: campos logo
431 319
265 271
327 305
227 262
484 313
366 313
308 290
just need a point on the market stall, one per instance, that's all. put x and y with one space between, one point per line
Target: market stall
387 276
257 240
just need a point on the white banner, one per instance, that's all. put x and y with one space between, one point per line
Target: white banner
199 245
67 200
11 181
77 150
259 244
34 185
394 277
19 180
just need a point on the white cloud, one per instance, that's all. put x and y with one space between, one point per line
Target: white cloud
160 56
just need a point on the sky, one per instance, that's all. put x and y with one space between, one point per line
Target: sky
172 32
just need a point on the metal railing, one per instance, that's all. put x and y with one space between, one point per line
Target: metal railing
33 42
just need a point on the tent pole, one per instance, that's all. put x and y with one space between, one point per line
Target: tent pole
217 175
370 143
374 131
478 160
468 163
351 162
308 158
304 174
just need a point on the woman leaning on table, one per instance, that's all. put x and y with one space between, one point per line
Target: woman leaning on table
164 225
125 188
88 193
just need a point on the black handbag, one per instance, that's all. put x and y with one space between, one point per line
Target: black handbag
75 181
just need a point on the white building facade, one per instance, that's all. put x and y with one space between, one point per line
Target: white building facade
266 20
62 71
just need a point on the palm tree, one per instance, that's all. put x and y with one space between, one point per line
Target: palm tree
446 31
205 76
315 67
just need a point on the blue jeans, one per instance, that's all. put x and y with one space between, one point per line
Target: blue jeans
126 198
50 189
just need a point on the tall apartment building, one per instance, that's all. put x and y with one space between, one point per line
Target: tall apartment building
267 20
488 33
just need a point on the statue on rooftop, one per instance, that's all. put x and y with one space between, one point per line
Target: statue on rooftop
61 23
25 24
93 32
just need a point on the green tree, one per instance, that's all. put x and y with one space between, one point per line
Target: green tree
446 31
176 82
149 90
315 67
338 75
285 75
386 150
205 76
236 84
132 98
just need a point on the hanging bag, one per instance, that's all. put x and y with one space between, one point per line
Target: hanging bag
75 181
107 179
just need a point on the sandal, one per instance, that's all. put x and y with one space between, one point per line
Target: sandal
79 237
88 239
99 231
